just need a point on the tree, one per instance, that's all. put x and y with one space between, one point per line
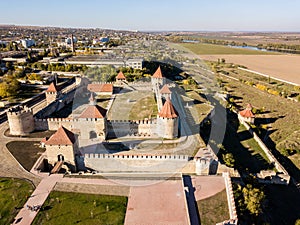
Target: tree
253 199
9 87
229 160
34 76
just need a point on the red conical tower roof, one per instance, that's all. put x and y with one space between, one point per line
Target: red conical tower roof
158 73
247 112
168 110
52 88
120 75
165 90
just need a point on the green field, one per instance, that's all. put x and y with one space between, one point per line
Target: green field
13 195
214 209
210 49
76 208
144 108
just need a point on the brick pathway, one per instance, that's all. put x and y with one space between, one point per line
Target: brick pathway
159 204
38 197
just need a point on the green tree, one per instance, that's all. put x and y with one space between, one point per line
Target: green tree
229 160
9 87
253 199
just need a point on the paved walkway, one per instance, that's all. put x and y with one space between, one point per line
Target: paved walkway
159 204
38 197
207 186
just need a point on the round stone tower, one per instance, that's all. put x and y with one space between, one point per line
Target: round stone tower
168 121
20 120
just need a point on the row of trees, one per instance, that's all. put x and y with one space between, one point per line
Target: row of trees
58 67
109 73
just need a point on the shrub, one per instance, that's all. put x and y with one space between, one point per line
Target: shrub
261 87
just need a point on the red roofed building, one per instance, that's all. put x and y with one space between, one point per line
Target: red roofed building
120 77
168 121
61 147
247 114
92 122
101 89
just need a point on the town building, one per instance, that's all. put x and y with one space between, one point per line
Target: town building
27 43
134 63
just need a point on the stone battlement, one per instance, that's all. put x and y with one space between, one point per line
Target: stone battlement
102 82
137 156
19 110
150 121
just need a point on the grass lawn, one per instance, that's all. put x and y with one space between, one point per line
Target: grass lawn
144 108
76 208
214 209
248 156
13 195
26 152
248 142
210 49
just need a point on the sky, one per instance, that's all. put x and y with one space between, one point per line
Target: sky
156 15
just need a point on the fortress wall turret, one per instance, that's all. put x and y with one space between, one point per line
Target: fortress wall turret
21 121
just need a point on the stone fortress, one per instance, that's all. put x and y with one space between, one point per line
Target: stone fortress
91 126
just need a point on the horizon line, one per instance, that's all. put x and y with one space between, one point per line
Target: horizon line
149 30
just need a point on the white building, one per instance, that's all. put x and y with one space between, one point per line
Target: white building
134 63
27 43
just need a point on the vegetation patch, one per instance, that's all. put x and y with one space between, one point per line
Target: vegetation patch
277 124
76 208
26 152
144 108
214 209
13 195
